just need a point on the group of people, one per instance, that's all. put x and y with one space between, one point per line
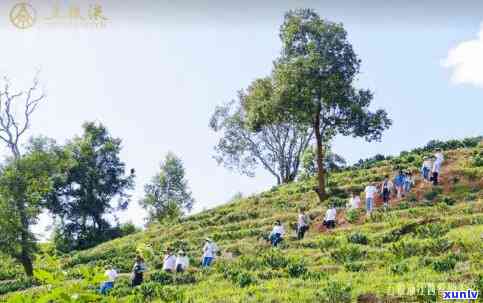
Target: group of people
171 263
401 184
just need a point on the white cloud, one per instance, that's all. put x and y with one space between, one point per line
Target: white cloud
466 61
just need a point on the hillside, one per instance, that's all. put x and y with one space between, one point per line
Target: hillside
431 239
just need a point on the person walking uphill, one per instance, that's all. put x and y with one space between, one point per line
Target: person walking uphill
438 162
426 168
138 271
182 261
386 189
370 192
276 236
302 224
209 253
111 274
169 262
399 184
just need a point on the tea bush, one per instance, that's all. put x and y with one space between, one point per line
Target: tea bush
352 215
296 268
358 238
348 253
335 292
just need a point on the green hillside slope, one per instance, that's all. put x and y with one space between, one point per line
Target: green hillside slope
432 239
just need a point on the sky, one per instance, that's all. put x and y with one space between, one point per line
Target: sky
154 72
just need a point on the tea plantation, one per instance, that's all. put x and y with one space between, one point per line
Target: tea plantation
427 242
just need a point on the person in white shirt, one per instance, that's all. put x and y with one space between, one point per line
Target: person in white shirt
111 275
169 262
439 155
276 236
182 261
370 192
435 171
209 252
354 201
330 217
302 224
426 168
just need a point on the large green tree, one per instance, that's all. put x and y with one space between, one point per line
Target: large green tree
96 179
277 147
167 196
26 184
313 84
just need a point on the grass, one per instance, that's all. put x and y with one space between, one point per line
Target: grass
433 240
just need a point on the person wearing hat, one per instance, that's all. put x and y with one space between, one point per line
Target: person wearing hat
169 262
182 261
276 236
111 275
209 252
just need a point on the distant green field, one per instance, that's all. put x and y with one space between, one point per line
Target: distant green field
428 242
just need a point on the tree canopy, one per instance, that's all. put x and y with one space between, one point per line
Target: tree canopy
97 177
314 85
277 147
167 196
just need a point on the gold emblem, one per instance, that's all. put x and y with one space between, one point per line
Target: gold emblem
23 15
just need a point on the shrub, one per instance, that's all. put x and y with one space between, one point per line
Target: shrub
348 253
296 268
400 268
433 193
352 215
405 249
446 264
426 294
432 230
358 238
274 259
242 278
15 285
162 277
335 292
448 200
328 243
437 246
355 266
337 202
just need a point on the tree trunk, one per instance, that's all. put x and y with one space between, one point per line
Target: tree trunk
320 160
27 264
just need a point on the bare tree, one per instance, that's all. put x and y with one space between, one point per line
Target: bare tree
16 109
12 124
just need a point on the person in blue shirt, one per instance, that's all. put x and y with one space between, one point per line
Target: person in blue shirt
399 183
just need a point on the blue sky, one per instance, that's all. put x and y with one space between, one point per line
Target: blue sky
155 73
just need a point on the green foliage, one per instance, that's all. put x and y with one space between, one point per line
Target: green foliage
335 292
275 259
15 285
348 253
358 238
245 149
448 200
296 268
167 196
432 230
328 243
400 268
445 264
353 215
432 194
95 178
